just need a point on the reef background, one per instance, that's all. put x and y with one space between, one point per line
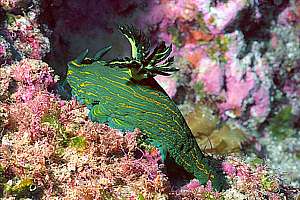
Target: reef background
238 87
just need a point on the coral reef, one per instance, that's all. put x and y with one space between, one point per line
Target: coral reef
4 50
43 132
242 62
26 36
222 60
251 177
238 87
50 149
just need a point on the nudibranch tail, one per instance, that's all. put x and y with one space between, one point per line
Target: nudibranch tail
195 162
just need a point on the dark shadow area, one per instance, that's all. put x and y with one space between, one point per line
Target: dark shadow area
179 177
77 25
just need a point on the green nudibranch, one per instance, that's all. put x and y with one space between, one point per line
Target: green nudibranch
123 94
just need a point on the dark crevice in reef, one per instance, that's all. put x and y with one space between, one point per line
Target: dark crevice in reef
77 25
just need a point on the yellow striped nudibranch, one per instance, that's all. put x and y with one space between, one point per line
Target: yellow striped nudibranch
123 94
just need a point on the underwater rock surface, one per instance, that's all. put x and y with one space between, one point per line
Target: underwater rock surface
238 87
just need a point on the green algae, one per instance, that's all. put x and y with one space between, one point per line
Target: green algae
65 140
2 180
256 162
281 125
218 49
140 197
199 90
20 188
267 183
52 119
78 142
177 38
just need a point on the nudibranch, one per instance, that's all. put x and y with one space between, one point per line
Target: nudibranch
123 94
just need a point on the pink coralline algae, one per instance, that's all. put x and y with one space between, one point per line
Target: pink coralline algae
27 37
240 81
229 169
167 12
217 18
197 30
238 88
194 190
210 74
261 105
168 84
32 76
215 61
251 181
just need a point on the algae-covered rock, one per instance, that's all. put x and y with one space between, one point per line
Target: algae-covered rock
202 120
210 134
